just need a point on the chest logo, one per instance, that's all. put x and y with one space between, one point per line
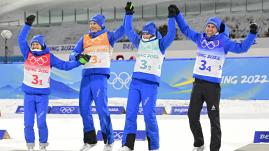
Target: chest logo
38 60
209 44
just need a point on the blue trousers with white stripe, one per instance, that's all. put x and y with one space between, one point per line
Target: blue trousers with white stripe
145 92
94 88
35 104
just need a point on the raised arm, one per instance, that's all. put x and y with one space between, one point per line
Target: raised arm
116 35
183 26
185 29
22 38
235 47
244 45
171 33
128 28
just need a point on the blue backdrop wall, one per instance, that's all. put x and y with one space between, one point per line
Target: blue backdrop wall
243 78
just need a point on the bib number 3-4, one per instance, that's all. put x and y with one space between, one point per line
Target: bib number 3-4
204 66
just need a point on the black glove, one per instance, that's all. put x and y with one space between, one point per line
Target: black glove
253 28
222 27
83 58
30 19
129 8
173 11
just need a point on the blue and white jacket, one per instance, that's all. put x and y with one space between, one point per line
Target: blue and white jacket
39 64
163 44
113 37
211 51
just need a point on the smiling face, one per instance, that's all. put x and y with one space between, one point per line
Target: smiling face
36 45
94 27
211 30
146 35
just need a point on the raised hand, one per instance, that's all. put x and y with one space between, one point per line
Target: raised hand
173 10
30 19
129 8
253 28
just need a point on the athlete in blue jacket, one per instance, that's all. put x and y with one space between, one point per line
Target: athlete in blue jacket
98 43
36 85
212 48
146 78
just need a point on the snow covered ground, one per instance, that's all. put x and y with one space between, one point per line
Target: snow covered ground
239 120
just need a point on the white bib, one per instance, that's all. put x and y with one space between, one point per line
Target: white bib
37 71
149 58
210 59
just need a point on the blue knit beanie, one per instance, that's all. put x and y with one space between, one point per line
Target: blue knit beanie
99 19
215 21
39 39
150 28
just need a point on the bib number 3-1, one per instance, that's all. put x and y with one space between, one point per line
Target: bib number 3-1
36 81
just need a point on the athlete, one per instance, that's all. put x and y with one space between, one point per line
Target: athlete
36 82
212 48
146 77
97 43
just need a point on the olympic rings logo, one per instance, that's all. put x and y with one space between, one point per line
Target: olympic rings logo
67 109
119 81
210 44
38 60
118 135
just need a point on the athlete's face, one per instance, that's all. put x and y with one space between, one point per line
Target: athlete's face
211 30
36 45
146 35
94 27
